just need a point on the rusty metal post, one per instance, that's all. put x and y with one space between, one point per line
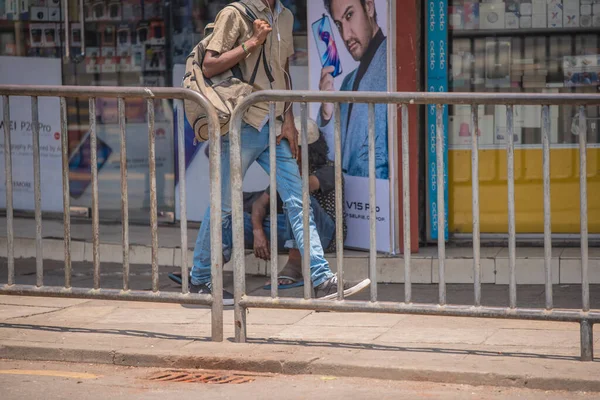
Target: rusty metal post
124 193
406 205
95 213
475 200
64 141
10 242
153 205
35 129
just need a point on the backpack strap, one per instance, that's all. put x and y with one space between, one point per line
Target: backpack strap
250 16
262 57
244 10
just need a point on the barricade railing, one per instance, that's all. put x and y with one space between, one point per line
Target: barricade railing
121 94
437 101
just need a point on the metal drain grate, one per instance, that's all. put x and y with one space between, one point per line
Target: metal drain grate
201 377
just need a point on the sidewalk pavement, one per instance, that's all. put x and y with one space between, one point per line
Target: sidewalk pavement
542 355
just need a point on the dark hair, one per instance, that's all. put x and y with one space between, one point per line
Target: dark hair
363 3
318 153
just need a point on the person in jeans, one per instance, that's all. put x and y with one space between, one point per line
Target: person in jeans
322 200
237 42
257 225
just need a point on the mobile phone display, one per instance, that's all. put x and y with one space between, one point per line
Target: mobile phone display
80 166
326 45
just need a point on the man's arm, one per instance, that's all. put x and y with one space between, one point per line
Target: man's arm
313 183
259 213
215 63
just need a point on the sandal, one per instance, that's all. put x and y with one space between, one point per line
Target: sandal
288 273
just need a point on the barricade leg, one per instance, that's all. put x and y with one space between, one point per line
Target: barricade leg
587 340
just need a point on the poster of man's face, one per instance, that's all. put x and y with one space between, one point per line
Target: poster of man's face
354 24
356 21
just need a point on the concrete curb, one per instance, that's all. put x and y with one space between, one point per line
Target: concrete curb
315 366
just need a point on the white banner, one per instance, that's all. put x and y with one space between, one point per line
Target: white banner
357 210
32 71
109 168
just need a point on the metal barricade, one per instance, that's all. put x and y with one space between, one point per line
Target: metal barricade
121 94
584 316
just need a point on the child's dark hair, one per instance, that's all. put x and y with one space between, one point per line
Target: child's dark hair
318 153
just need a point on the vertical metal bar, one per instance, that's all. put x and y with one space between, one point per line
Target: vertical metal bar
510 155
10 243
583 209
305 205
587 340
406 205
441 209
475 199
237 214
273 198
339 203
372 205
153 205
216 230
547 208
65 5
35 129
124 193
95 215
81 25
64 141
392 86
182 196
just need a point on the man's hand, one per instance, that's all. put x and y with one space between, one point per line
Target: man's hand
289 132
261 245
326 84
261 30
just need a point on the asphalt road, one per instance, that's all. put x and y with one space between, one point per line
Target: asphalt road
46 380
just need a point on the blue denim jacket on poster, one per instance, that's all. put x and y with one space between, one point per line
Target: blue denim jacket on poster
355 130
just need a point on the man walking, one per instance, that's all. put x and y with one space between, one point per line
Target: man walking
356 21
237 42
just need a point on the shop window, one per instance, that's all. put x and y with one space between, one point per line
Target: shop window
523 46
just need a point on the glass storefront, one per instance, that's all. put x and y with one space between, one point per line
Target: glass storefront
127 43
523 46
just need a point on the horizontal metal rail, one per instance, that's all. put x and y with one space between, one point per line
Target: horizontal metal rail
424 98
108 294
121 94
421 309
584 316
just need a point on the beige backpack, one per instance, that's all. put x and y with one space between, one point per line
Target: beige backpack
223 91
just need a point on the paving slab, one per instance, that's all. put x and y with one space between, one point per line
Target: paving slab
525 337
351 320
407 334
155 316
40 301
72 316
15 311
331 333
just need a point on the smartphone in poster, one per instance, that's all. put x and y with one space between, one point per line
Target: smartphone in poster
348 52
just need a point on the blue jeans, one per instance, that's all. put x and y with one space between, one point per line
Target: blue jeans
285 236
255 147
